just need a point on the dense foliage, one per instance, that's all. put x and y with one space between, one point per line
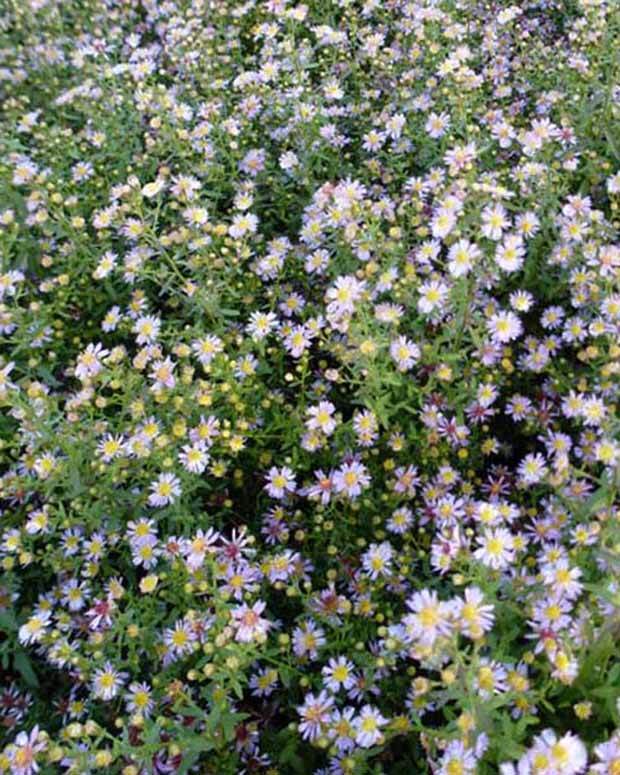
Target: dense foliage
309 370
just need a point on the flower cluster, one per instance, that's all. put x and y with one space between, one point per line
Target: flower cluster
309 387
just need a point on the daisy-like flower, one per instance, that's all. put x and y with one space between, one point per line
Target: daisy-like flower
307 640
377 561
490 678
5 382
111 319
89 362
196 216
504 326
495 221
145 555
199 546
607 452
343 295
9 281
261 324
351 479
496 548
405 353
35 628
297 340
366 427
532 469
608 753
100 615
207 348
288 161
243 223
139 699
519 407
74 594
341 730
162 375
527 224
406 480
503 133
321 417
22 752
338 673
400 521
110 447
433 295
165 490
368 726
264 682
443 222
563 580
593 411
194 457
106 265
462 256
185 187
510 255
180 639
429 618
280 482
552 613
151 190
472 616
147 329
566 755
457 759
321 489
565 667
141 531
107 682
437 125
521 301
315 714
249 624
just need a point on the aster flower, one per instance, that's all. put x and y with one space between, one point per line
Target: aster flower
34 628
280 482
532 469
607 753
368 726
162 375
139 699
377 560
315 715
338 673
472 615
194 458
351 479
22 753
504 326
496 549
429 618
405 353
164 490
307 640
249 624
107 682
462 256
89 362
320 417
457 758
433 295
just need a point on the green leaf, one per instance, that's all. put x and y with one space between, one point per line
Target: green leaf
8 622
22 664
